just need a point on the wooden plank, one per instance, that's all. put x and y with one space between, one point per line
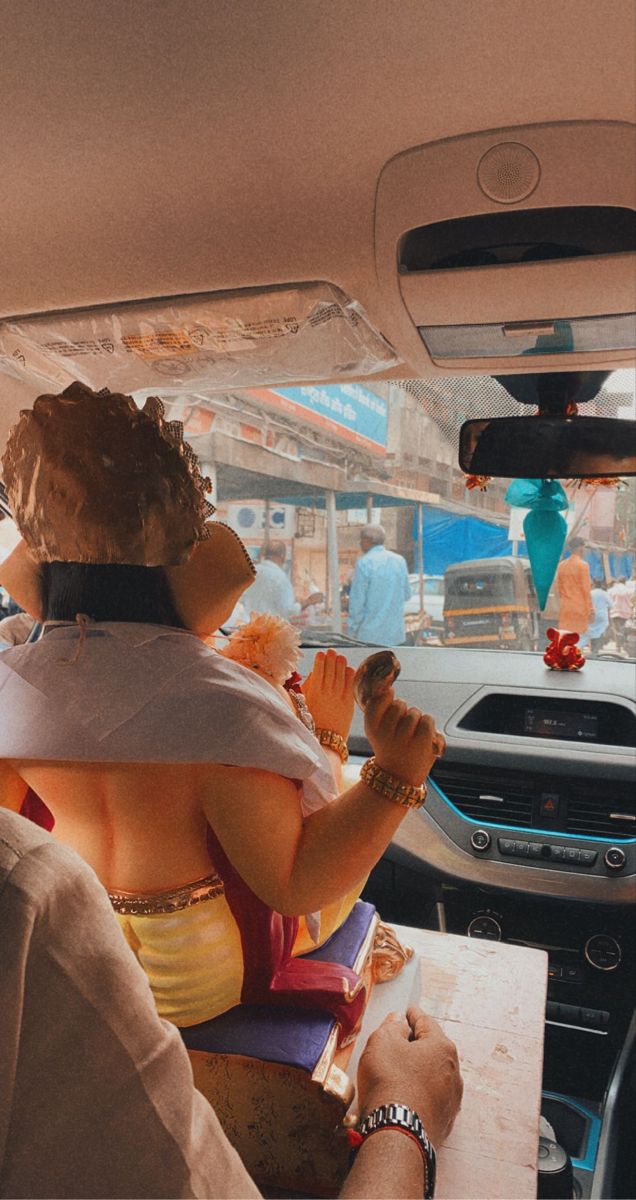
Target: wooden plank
489 997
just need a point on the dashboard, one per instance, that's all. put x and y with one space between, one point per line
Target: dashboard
528 833
540 764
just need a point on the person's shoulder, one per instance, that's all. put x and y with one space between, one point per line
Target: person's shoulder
24 848
16 629
18 837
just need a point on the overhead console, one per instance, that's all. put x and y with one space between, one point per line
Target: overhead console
511 249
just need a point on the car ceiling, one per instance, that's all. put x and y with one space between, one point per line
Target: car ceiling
172 146
158 148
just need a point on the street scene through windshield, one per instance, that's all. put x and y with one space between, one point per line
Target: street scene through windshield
364 528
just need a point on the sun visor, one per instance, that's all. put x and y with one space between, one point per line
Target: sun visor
213 341
523 338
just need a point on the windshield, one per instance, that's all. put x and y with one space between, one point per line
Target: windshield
364 529
351 503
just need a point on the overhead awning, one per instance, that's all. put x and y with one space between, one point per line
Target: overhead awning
386 495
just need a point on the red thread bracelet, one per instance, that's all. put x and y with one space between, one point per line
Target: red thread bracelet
356 1139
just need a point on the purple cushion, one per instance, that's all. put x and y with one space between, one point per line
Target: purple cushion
292 1036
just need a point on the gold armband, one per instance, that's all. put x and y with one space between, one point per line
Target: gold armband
392 787
333 741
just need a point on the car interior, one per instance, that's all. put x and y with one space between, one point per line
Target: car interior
327 236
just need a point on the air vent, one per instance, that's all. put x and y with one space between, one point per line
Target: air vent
504 799
585 808
607 810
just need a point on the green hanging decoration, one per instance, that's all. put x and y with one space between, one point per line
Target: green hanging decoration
544 529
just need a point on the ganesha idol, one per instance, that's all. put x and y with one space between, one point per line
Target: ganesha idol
203 792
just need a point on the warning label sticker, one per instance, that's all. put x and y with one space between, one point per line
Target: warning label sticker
165 343
77 349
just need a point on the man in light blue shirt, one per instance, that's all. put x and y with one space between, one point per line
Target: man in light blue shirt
379 589
271 592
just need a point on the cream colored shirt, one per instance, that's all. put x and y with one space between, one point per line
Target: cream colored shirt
96 1091
16 629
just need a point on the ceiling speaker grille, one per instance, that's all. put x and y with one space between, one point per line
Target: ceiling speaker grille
508 172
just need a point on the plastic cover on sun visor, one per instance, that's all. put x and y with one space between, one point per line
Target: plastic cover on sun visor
213 341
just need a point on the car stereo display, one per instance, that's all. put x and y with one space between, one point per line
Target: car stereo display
559 717
559 723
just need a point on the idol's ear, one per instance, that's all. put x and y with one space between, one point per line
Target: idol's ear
20 577
206 588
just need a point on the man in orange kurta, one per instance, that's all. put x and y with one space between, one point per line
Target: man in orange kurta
574 588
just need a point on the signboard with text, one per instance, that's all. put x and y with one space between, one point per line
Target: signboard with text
345 410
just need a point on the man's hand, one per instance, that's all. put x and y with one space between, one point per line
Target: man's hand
411 1061
329 692
404 740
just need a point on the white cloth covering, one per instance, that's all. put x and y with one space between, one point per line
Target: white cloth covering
96 1091
149 693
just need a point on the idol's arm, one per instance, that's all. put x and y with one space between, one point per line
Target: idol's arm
298 865
13 789
293 865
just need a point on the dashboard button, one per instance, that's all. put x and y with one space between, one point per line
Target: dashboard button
522 849
591 1017
506 845
572 854
485 927
588 857
570 1013
555 971
614 858
480 839
558 854
535 849
572 974
603 952
549 805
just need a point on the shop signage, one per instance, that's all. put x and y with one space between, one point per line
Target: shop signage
346 410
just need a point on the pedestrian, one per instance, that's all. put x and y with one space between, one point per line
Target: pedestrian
272 592
621 610
379 590
15 630
574 589
600 622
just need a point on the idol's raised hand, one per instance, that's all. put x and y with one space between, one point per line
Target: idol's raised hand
404 740
328 691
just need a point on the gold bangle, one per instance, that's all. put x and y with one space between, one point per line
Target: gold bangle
391 786
333 741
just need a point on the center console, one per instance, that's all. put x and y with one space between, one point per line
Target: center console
591 974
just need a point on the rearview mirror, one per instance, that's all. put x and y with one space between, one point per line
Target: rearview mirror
548 447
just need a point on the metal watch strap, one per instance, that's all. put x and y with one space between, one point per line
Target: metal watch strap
399 1116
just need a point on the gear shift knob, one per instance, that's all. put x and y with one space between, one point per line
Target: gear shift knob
555 1178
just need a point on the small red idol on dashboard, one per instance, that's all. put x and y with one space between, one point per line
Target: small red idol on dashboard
562 652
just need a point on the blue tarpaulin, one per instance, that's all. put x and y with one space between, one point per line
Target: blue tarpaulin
619 564
450 538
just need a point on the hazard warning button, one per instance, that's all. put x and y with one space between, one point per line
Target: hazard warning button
550 805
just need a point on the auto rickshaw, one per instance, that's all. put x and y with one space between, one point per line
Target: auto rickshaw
491 602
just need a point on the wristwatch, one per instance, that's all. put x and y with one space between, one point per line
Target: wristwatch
398 1116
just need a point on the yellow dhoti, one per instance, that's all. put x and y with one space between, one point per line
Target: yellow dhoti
192 955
